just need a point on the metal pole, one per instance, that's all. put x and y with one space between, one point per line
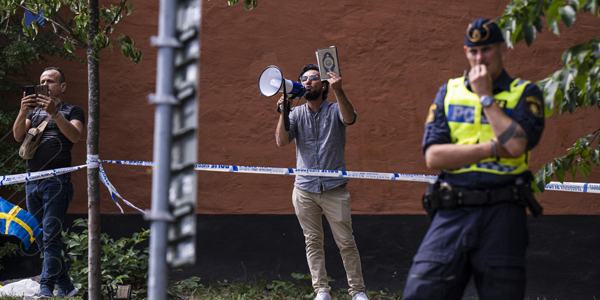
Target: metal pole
157 276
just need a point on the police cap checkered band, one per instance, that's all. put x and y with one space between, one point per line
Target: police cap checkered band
482 32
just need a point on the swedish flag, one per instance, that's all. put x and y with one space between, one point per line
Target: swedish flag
18 222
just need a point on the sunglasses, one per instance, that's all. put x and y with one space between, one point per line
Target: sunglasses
312 77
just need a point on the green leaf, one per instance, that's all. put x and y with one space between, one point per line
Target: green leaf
528 33
584 154
584 173
590 6
574 3
595 46
593 98
583 143
517 35
567 15
550 94
552 12
564 80
507 37
568 163
571 101
595 155
539 24
540 181
553 25
125 50
549 170
560 175
581 80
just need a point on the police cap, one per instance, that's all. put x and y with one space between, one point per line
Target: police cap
482 32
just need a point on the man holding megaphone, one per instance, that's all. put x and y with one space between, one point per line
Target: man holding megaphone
319 128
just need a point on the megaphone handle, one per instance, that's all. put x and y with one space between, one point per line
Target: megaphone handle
286 110
286 115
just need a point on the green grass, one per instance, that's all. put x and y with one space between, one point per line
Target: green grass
257 289
261 289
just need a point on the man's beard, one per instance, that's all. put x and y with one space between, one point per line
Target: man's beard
312 95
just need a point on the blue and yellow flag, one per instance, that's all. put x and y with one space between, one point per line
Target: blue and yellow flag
18 222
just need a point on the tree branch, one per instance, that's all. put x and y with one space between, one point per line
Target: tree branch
114 19
69 30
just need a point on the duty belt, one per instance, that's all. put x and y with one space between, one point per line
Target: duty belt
450 198
443 196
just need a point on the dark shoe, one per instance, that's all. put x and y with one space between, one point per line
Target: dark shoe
45 292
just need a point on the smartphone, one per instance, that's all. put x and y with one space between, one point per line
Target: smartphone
42 90
36 90
29 90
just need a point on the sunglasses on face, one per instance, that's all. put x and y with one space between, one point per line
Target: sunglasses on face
312 77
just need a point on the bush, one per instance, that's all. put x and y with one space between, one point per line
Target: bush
8 249
121 261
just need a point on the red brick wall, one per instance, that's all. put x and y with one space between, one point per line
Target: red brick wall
393 55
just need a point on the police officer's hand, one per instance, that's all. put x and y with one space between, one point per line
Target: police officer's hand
28 103
481 81
47 104
280 103
335 82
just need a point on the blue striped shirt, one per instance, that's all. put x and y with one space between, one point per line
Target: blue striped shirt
320 144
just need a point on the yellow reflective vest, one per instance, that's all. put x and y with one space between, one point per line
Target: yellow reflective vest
468 125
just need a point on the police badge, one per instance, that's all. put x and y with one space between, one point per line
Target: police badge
327 59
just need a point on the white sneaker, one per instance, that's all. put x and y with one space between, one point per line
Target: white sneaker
72 293
323 296
360 296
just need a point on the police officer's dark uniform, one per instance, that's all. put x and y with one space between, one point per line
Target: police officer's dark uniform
479 222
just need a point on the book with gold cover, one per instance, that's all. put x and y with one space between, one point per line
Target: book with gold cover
327 59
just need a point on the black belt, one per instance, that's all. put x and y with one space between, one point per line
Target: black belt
478 197
444 196
448 197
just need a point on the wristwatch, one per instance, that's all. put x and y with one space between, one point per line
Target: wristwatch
486 100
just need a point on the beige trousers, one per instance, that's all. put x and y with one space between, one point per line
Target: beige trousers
335 204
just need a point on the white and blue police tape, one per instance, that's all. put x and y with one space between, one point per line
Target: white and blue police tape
32 176
113 191
314 172
593 188
92 162
290 171
580 187
130 162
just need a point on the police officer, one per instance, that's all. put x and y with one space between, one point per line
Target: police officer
479 132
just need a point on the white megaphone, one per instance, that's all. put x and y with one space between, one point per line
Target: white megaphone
271 82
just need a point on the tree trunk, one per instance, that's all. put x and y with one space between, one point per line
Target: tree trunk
94 271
